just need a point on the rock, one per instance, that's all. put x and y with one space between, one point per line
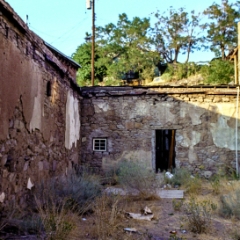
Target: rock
207 174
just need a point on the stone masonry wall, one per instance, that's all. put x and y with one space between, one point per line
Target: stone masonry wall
204 121
39 110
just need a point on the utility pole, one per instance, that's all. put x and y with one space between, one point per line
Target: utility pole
91 5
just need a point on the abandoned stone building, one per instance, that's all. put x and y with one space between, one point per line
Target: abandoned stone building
49 124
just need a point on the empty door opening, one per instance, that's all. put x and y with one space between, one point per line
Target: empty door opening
165 149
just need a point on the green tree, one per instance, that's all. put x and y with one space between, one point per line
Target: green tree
83 57
222 29
127 46
176 31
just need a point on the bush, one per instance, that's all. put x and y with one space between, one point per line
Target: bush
136 176
230 205
59 202
198 215
79 188
218 72
181 176
107 214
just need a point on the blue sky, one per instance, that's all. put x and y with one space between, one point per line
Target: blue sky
63 23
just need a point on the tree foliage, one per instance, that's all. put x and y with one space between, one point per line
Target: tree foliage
222 28
83 57
176 31
127 46
132 45
218 72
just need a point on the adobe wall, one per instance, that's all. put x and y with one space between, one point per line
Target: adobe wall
204 120
39 110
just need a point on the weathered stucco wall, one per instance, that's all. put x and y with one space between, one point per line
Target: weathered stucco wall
39 104
204 122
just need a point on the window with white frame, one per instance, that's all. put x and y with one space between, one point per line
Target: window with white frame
100 144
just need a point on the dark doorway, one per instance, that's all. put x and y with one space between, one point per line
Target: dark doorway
165 149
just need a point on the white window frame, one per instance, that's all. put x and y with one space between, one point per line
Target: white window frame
99 144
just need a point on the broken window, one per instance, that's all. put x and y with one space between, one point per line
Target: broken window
100 144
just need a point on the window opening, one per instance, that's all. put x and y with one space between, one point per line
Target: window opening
100 144
49 89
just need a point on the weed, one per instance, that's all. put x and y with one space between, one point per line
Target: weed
136 176
181 176
58 222
177 204
194 185
7 212
78 188
230 205
106 210
198 215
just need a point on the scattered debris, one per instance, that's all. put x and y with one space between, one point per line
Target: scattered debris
147 211
115 191
168 175
84 219
29 184
139 216
133 230
162 193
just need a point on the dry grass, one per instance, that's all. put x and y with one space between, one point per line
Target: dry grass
105 215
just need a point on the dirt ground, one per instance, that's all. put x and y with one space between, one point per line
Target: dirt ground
109 220
165 221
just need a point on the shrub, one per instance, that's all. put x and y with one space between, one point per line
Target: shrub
57 220
218 72
181 176
198 215
230 205
106 214
177 204
194 185
136 176
79 188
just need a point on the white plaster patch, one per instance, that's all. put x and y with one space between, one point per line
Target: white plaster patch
223 135
195 110
101 107
192 156
72 130
2 197
163 114
29 184
140 109
36 119
185 141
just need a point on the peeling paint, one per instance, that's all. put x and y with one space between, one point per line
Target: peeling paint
29 184
37 113
72 131
2 197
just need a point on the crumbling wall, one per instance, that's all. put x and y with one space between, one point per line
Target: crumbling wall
204 124
34 110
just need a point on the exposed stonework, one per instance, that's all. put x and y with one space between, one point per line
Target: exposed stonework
204 120
39 109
